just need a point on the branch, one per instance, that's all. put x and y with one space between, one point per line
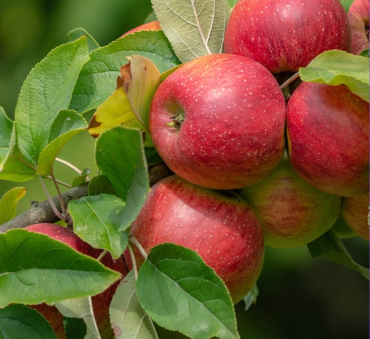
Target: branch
43 212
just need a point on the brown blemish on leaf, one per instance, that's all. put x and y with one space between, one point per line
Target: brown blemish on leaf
126 77
94 124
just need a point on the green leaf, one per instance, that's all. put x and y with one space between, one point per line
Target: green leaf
74 328
80 308
251 297
346 4
338 67
185 294
77 33
127 317
7 137
35 268
152 156
194 28
101 184
98 78
97 219
9 203
120 155
16 168
82 178
232 3
331 247
365 53
66 125
18 320
45 92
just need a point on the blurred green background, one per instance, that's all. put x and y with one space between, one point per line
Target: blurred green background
300 298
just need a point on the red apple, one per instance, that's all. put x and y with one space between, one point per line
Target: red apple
100 302
218 121
328 138
355 212
149 26
219 225
292 212
284 35
358 16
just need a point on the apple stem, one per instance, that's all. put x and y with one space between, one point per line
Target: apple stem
289 81
138 245
71 166
134 264
62 206
51 202
102 255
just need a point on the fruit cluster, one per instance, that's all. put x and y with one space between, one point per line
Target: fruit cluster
254 160
250 165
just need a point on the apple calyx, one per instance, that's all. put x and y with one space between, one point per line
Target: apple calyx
177 120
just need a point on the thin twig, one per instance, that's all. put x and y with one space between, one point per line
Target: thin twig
295 76
68 164
133 259
138 245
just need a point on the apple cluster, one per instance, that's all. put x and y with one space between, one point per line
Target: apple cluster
251 166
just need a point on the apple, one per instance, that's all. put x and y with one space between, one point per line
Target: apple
149 26
218 121
328 138
292 212
219 225
355 211
101 301
358 16
284 35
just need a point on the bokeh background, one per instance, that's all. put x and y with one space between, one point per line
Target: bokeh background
300 298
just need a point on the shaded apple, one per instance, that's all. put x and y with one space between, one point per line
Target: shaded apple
219 225
149 26
358 16
218 121
355 212
292 212
328 138
101 301
284 35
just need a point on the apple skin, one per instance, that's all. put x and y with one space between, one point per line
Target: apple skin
292 212
355 211
218 121
149 26
219 225
284 35
101 301
328 138
358 16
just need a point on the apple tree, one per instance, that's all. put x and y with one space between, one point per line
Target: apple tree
171 230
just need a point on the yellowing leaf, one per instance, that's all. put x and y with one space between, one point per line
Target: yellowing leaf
9 203
115 111
129 104
140 78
